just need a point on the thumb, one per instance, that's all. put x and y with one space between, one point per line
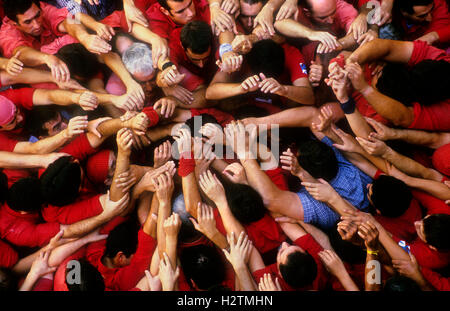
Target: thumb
323 181
129 27
17 54
195 223
263 77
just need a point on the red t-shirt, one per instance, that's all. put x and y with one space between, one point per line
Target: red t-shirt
25 229
163 25
125 278
345 14
308 244
265 233
439 282
432 204
440 23
8 256
11 37
426 257
403 226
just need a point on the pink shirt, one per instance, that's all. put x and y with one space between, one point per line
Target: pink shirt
11 37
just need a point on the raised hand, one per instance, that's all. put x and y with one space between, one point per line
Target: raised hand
231 62
184 140
242 142
230 6
136 94
112 209
289 162
348 144
138 123
14 65
241 44
265 19
325 119
165 107
164 187
125 181
382 132
356 75
105 32
373 146
221 21
321 191
95 44
358 27
162 154
214 133
203 156
212 187
133 15
179 92
315 74
348 231
172 76
76 126
40 265
205 223
59 69
236 173
172 225
332 262
288 9
266 284
251 84
369 233
327 40
124 141
240 250
167 275
270 85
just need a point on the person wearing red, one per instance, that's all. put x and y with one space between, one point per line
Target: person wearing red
8 256
425 20
31 27
427 108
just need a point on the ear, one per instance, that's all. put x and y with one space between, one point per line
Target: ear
164 11
118 260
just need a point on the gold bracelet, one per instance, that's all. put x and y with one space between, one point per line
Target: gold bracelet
372 252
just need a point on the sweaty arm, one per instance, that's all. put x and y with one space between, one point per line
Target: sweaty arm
383 49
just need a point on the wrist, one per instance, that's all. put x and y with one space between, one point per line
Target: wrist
283 90
66 133
366 90
387 154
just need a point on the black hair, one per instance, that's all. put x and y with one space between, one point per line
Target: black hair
266 57
12 8
3 187
164 4
246 204
430 80
90 279
400 283
8 280
197 36
37 117
300 269
437 231
318 159
347 251
123 238
407 5
203 265
79 60
396 82
61 181
391 196
25 195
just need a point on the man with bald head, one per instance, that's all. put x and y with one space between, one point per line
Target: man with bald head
320 20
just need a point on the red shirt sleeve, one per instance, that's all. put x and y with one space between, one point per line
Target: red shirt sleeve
432 204
345 14
54 17
422 51
294 63
20 97
79 148
158 22
30 235
74 212
265 234
439 282
8 256
277 177
440 19
7 143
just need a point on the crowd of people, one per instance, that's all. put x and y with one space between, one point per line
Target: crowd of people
225 145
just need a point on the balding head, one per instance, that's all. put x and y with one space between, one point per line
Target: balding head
321 11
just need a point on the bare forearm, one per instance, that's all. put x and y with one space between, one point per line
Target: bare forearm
299 94
259 180
371 284
163 213
293 29
31 57
229 221
432 140
411 167
46 145
220 90
122 165
55 97
171 249
12 160
84 226
191 194
114 62
436 189
245 278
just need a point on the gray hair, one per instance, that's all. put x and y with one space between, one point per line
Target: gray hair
138 58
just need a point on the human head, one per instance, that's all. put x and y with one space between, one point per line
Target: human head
266 57
395 81
138 61
180 11
26 14
100 167
245 203
435 231
25 195
90 279
60 182
196 38
400 283
203 266
320 12
249 10
318 159
121 243
8 280
429 79
297 267
418 11
390 196
45 121
82 64
10 117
